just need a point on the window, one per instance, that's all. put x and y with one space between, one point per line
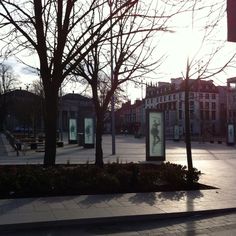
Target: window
213 96
213 105
180 105
207 105
207 115
201 96
169 97
191 95
207 96
180 115
174 96
191 105
213 115
191 114
201 114
167 115
174 105
201 105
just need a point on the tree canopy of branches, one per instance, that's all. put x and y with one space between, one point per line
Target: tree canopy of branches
208 59
63 33
59 33
8 81
127 54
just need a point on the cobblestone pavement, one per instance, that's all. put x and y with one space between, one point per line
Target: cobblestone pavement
211 224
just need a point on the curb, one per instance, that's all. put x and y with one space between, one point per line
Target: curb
110 220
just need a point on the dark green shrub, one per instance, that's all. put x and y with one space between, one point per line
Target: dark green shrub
105 182
124 178
177 175
35 180
149 178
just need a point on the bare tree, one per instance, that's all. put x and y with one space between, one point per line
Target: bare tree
204 62
58 32
8 81
127 54
61 34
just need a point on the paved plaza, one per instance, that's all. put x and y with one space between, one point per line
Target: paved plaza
217 224
216 161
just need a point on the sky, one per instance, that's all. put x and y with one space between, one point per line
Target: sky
176 47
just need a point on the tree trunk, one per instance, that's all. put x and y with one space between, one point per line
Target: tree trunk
50 117
188 132
99 132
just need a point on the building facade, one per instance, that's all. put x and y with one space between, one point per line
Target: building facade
206 104
21 111
74 106
130 118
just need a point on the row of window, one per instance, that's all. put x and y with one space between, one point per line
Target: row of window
169 88
232 114
207 105
207 115
172 105
180 96
204 115
132 117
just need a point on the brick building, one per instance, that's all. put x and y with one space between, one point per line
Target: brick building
131 117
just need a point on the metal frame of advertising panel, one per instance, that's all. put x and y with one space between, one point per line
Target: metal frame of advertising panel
88 132
72 131
155 135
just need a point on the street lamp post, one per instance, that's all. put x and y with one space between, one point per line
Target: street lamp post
110 2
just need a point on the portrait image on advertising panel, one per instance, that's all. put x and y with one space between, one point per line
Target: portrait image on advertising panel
155 134
88 130
72 129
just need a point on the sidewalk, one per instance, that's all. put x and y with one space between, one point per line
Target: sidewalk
87 209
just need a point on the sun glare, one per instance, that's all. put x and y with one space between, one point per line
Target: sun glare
188 43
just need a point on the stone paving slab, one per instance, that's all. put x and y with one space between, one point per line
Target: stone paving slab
87 209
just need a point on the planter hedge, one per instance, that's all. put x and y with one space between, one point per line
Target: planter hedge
36 180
